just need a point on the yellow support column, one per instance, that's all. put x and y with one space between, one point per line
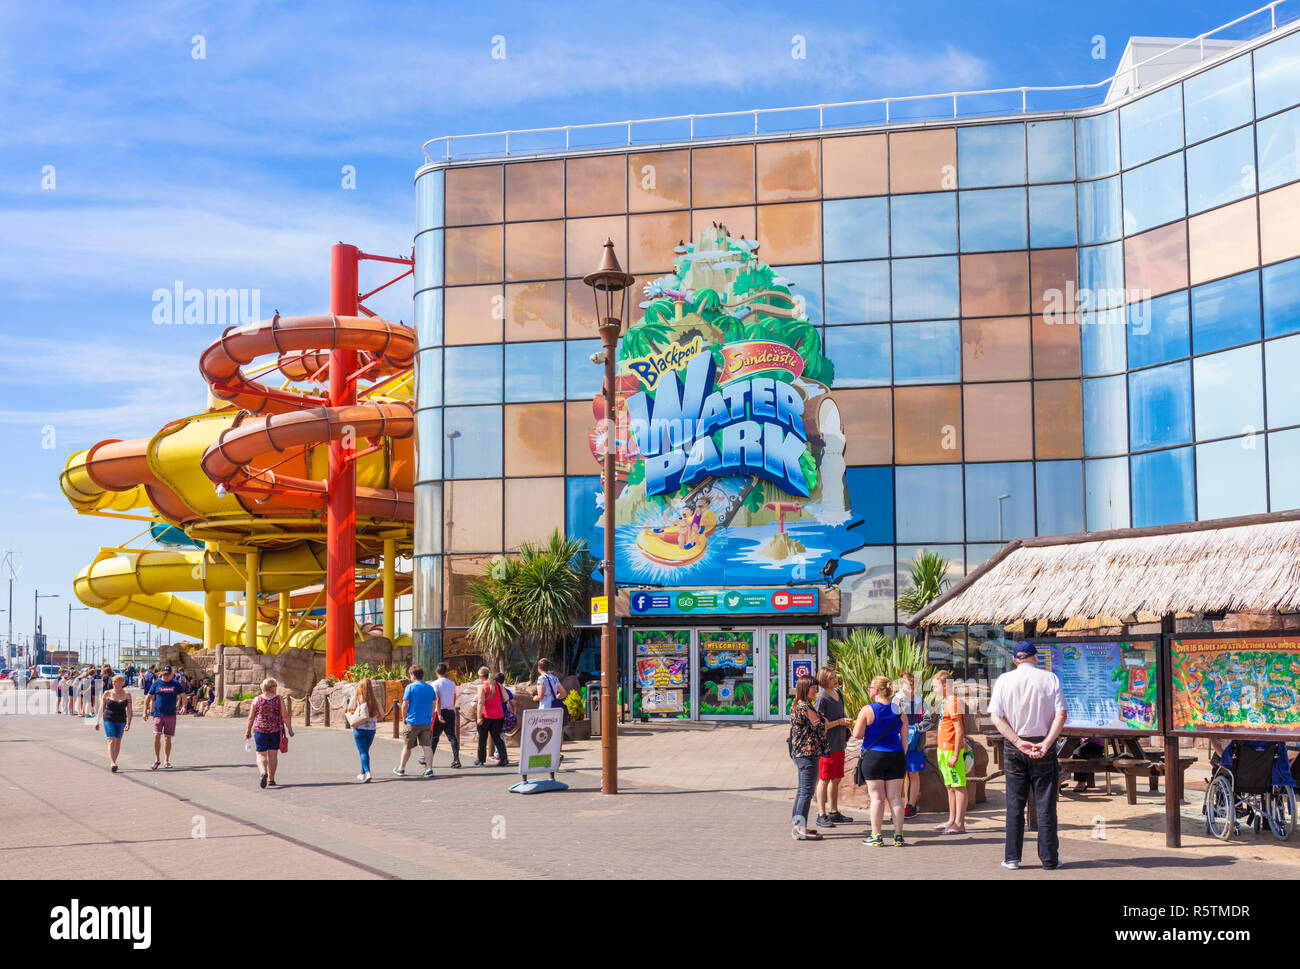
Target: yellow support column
250 599
213 603
282 620
390 589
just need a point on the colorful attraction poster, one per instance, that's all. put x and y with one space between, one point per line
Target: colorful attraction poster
729 446
1237 686
661 671
1107 685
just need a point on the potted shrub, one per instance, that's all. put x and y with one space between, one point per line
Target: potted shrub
578 726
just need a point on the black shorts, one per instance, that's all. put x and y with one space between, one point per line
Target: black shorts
878 765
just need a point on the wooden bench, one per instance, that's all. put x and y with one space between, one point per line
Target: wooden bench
1132 768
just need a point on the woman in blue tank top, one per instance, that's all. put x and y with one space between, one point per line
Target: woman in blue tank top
882 728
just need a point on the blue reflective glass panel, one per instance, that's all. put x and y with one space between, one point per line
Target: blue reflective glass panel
1221 170
473 375
1279 149
927 353
1106 493
1218 100
472 442
991 155
1160 406
1060 497
923 225
871 497
857 292
1105 416
1282 369
1051 151
805 284
535 371
1284 470
428 318
1101 276
1162 487
1102 336
1100 212
1230 479
581 512
1096 145
428 378
990 487
428 444
583 378
855 228
1158 330
860 354
993 219
925 288
1151 126
1277 75
1225 313
429 201
1051 216
428 259
1154 194
928 503
1282 298
1229 394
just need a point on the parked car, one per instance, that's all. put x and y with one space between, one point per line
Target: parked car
47 672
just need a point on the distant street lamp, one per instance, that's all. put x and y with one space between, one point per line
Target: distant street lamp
71 609
36 621
607 285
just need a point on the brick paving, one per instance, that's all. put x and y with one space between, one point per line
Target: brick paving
698 801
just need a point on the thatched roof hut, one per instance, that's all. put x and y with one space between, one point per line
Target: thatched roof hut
1131 575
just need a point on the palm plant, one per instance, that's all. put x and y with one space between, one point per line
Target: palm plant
494 623
929 578
868 653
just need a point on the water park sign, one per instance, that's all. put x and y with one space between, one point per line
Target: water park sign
723 602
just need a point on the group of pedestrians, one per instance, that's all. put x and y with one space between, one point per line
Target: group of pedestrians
1027 706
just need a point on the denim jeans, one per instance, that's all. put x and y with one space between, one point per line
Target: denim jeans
807 767
363 739
1041 775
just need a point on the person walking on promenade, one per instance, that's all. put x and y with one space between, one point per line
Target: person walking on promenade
59 690
807 745
362 713
1028 708
417 713
149 676
549 692
268 719
160 703
830 766
951 752
130 675
89 684
509 715
883 732
912 704
115 715
490 713
446 722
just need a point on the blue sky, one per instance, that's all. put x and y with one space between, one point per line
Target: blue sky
226 171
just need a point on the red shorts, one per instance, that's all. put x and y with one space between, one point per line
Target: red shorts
831 766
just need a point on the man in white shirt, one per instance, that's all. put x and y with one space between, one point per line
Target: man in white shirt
444 713
1028 708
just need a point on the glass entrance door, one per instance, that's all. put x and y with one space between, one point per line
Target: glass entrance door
660 664
791 653
726 674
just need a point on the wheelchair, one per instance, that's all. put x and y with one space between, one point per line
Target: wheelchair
1251 787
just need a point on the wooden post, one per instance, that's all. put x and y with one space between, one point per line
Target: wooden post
1173 776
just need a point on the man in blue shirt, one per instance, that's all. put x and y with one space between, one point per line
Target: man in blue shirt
417 713
160 703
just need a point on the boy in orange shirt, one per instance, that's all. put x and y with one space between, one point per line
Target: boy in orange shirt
951 753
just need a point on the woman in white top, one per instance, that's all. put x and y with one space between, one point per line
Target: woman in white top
549 692
362 713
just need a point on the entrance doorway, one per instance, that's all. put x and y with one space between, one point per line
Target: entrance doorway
790 654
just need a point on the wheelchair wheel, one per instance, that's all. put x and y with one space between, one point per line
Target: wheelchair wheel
1281 807
1220 809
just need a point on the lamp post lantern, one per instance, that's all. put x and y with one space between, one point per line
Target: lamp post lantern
607 284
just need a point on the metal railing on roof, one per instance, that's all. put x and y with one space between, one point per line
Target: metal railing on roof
530 142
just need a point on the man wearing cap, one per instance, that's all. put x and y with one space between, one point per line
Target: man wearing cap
160 704
1028 708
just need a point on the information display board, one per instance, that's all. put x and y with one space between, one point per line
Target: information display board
1235 685
1110 685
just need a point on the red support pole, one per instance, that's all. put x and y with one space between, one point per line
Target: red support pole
341 520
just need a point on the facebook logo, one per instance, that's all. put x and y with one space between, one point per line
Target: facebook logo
640 602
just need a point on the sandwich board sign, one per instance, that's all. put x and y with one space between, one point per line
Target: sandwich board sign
540 737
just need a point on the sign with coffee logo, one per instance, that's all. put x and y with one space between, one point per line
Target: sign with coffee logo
539 741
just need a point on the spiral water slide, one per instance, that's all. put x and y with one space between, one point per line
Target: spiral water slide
247 477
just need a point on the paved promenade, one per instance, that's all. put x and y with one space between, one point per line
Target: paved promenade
699 801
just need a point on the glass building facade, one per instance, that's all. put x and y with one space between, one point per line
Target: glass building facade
1039 325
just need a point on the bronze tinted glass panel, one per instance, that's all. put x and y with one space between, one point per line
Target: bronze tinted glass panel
788 170
922 161
1155 262
1223 242
652 238
578 420
999 422
996 348
1279 223
534 439
855 165
472 516
535 190
474 195
580 308
585 242
658 180
461 571
535 311
1058 418
472 314
535 250
1053 275
790 233
722 176
866 416
740 221
1056 346
927 425
534 508
596 186
994 284
474 255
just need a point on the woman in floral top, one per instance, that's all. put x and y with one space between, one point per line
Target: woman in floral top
807 744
